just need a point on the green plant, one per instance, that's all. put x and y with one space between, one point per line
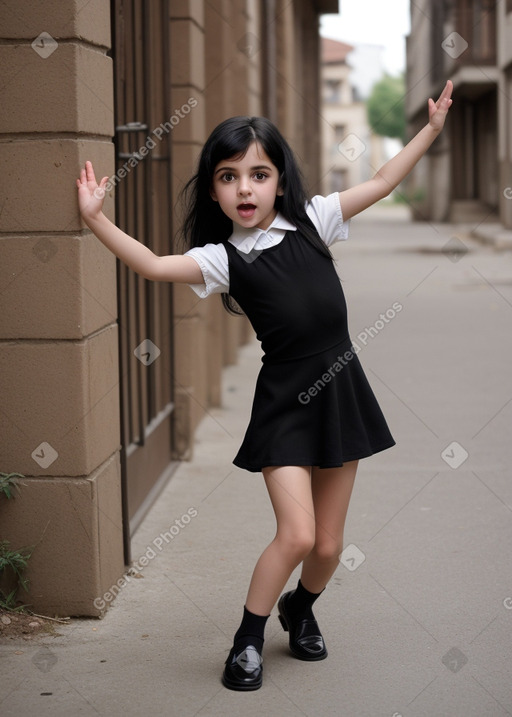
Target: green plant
12 565
385 108
8 481
12 562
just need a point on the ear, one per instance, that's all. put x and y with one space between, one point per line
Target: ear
280 190
213 195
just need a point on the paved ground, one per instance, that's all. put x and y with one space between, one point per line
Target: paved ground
418 616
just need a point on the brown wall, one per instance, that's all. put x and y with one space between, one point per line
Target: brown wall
58 348
466 175
58 333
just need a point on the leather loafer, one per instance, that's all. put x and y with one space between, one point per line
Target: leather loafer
243 670
306 641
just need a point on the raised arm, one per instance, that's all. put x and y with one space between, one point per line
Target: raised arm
363 195
137 256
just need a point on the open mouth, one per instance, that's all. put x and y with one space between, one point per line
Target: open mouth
246 210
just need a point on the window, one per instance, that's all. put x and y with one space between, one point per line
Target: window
338 180
333 90
340 131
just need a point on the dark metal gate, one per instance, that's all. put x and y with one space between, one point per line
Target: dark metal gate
143 201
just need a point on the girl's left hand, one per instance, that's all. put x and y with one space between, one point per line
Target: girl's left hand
437 111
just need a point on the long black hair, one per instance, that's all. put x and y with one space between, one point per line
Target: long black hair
205 222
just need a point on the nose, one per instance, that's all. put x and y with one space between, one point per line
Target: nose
244 186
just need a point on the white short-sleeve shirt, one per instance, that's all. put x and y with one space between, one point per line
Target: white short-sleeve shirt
324 212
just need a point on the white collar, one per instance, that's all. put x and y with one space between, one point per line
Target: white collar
244 239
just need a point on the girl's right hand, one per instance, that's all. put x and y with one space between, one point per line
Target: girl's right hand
437 111
90 194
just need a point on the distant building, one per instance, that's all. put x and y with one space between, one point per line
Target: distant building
351 151
467 174
365 68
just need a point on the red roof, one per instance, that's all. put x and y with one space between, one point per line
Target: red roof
334 51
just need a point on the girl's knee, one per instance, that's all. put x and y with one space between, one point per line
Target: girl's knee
297 544
327 549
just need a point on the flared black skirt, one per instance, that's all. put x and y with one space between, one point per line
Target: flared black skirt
314 411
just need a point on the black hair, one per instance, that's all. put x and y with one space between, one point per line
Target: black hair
205 222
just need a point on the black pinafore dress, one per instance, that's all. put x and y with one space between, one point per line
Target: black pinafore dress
313 405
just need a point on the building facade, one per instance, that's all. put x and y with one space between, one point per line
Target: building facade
467 174
105 376
351 151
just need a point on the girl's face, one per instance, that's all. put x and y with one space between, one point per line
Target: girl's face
246 188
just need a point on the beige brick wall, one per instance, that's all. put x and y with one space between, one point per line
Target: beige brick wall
58 348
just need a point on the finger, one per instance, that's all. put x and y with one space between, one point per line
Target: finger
440 99
445 104
89 172
447 91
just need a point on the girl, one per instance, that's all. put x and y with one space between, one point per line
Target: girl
258 241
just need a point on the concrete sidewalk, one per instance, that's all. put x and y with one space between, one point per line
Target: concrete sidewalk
418 616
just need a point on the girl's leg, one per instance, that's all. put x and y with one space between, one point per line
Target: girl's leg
331 491
290 492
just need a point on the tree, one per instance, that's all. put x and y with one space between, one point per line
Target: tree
386 108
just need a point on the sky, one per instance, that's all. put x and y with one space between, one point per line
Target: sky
390 23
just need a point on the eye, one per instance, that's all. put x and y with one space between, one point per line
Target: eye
260 176
228 177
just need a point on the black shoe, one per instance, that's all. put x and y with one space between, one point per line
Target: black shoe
244 669
306 641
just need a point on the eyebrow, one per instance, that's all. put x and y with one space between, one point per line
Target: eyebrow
253 169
